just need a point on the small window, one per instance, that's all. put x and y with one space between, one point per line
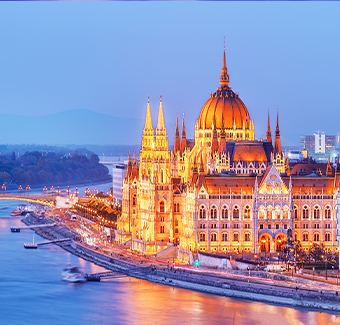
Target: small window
236 213
327 237
235 236
161 207
213 212
162 230
202 236
224 237
316 237
247 236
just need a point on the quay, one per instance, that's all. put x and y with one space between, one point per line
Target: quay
18 229
35 245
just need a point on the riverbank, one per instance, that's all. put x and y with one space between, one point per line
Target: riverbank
289 292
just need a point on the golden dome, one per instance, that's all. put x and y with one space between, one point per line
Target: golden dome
224 109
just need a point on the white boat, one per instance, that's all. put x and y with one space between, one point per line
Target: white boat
73 274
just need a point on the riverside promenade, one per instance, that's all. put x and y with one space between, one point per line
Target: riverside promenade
259 286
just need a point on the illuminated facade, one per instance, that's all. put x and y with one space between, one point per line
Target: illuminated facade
224 191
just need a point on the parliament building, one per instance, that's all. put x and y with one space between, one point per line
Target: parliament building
224 191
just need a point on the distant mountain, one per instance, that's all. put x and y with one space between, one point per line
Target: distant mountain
70 127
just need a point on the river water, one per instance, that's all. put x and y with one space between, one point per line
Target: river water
32 292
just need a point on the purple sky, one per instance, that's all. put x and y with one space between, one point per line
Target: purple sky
108 57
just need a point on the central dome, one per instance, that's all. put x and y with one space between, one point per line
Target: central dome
224 109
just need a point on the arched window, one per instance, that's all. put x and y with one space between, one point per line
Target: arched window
327 236
316 212
213 237
305 237
161 207
247 212
176 231
224 236
305 212
225 212
213 212
236 213
134 200
269 212
247 236
202 212
296 236
285 210
202 236
277 213
236 236
262 212
316 237
161 176
295 212
327 212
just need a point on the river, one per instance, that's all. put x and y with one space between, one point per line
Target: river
32 292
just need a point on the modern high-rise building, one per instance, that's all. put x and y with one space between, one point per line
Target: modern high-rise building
226 191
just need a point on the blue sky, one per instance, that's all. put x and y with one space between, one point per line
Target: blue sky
108 57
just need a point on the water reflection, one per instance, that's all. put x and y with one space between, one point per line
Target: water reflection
31 283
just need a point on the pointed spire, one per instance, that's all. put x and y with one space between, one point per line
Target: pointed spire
214 142
201 165
177 145
183 137
224 78
148 121
269 132
277 141
287 167
134 166
160 121
329 167
129 166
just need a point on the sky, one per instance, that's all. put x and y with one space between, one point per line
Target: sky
108 57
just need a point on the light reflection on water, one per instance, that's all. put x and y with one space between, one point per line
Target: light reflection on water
32 292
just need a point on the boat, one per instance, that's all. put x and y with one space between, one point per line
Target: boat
5 207
72 274
15 229
21 210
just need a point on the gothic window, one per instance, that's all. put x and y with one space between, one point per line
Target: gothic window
176 223
225 212
295 212
285 212
162 230
176 207
236 213
269 212
247 212
247 236
327 212
161 176
134 200
202 236
262 212
224 236
316 212
161 207
235 236
305 237
202 212
316 237
213 237
305 212
327 237
176 231
213 212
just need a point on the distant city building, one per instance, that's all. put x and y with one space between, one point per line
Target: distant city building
319 146
118 175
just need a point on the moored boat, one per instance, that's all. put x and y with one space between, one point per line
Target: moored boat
73 274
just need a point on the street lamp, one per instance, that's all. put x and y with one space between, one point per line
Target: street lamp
68 190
